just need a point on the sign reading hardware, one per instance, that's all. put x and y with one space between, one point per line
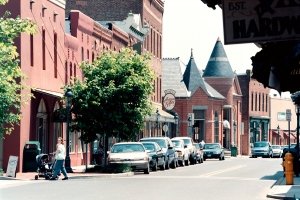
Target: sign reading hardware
248 21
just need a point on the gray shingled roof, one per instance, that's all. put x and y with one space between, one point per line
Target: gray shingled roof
218 64
192 77
172 77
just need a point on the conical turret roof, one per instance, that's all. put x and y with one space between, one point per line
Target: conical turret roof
192 76
218 64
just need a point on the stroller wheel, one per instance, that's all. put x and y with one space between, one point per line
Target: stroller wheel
36 177
47 177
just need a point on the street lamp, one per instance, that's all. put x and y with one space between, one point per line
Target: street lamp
278 135
157 120
69 95
176 123
234 133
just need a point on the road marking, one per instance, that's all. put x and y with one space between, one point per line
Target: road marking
222 171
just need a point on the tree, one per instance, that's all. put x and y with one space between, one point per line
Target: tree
11 76
114 97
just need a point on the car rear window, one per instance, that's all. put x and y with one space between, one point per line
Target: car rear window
160 142
260 144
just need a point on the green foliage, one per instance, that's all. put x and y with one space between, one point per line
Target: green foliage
11 76
114 97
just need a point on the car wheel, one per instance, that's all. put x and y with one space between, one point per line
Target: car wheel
186 162
163 166
147 170
173 164
167 164
154 168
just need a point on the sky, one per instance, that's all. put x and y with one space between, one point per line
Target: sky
190 24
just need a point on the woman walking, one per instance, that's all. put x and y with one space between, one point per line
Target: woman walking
60 156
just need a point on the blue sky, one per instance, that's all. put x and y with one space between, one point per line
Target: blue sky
191 24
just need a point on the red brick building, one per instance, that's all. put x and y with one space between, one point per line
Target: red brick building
256 111
151 14
50 59
212 99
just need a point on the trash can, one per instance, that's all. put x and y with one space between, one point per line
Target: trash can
234 151
30 151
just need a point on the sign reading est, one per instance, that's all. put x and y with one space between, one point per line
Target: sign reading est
247 21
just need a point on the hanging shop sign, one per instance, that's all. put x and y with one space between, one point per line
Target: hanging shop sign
169 99
247 21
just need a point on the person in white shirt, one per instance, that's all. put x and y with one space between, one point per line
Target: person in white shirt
60 156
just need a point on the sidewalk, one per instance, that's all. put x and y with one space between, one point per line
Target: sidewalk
282 191
78 173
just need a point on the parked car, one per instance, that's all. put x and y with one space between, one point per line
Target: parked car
276 151
261 149
132 154
156 155
199 153
286 149
183 152
168 149
188 142
213 150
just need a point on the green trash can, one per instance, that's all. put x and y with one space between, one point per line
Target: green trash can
234 151
30 151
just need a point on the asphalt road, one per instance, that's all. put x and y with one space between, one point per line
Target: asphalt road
239 178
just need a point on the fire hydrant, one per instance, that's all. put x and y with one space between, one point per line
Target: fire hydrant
288 165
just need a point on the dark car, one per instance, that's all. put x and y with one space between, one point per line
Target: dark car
213 150
155 154
199 153
168 150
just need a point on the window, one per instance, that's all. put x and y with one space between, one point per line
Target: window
31 51
199 121
263 102
259 104
55 55
71 70
82 54
72 141
216 127
255 101
252 97
66 73
74 70
266 103
44 49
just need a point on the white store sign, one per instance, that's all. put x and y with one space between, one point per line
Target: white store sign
247 21
12 166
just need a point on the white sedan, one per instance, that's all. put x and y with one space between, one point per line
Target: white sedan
276 151
182 152
132 154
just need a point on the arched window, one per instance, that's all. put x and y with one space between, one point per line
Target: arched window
57 130
41 125
216 127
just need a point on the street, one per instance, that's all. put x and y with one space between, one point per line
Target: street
235 179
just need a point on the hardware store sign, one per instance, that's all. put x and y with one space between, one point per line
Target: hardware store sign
247 21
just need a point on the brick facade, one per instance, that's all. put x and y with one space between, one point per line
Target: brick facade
51 59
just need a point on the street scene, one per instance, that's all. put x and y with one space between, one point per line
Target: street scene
235 178
108 99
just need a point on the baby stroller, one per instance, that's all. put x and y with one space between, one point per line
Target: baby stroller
44 167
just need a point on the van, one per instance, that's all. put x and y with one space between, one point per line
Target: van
261 149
